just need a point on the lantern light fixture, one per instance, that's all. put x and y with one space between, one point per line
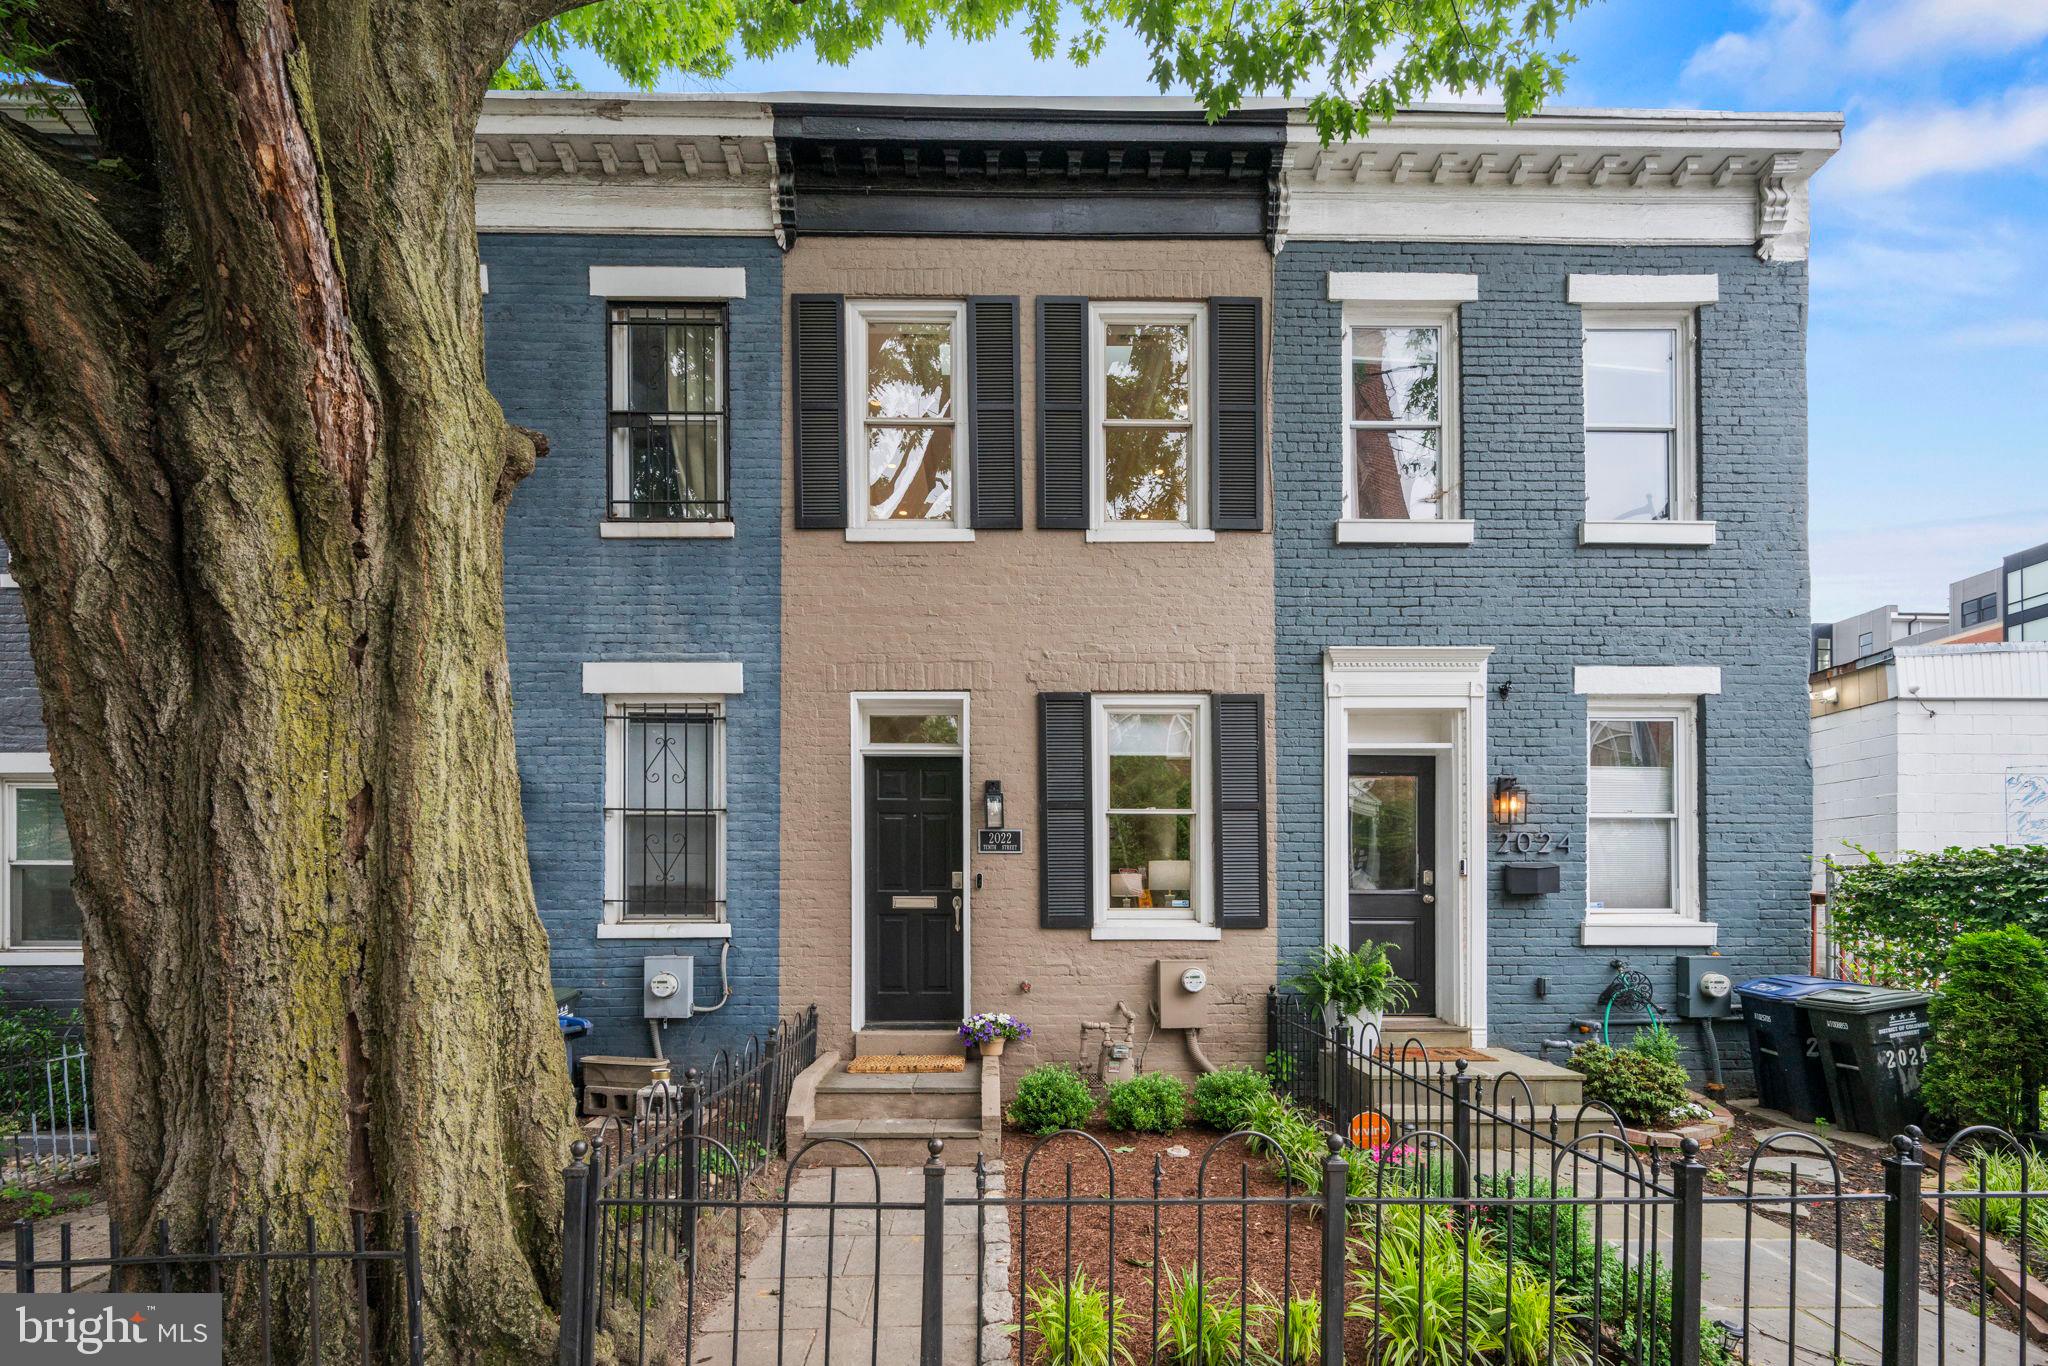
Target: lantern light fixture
1510 802
992 804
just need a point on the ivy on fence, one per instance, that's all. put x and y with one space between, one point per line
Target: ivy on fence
1893 922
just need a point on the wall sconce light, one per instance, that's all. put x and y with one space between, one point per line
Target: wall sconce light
1510 802
992 804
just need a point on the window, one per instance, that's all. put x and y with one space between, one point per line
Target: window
668 395
1400 396
1823 653
1151 781
1865 643
1977 611
2035 630
1642 844
665 811
909 469
2026 588
1148 466
1639 437
40 910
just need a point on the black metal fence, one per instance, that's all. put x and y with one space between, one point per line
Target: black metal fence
636 1208
46 1117
287 1294
1476 1226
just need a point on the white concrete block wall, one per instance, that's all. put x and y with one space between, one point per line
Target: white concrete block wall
1856 781
1953 766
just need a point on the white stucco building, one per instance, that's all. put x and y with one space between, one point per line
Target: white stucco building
1929 746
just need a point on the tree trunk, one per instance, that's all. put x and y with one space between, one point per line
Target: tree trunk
255 487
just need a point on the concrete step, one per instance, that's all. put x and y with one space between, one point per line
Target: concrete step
890 1040
893 1142
921 1095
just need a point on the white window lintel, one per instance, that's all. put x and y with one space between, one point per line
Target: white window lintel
25 763
668 282
682 678
1629 291
1661 680
1402 287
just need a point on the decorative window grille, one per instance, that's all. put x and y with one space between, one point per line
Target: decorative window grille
666 817
668 460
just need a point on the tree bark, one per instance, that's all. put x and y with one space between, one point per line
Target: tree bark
254 486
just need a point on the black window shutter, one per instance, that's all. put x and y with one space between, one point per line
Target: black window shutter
817 325
995 437
1063 414
1240 725
1065 865
1236 416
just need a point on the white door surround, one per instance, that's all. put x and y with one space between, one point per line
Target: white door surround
1416 699
868 704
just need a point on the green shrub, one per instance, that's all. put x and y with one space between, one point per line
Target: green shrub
1155 1103
1644 1090
1656 1042
1050 1098
1895 921
1990 1019
1999 1169
1202 1326
1223 1099
1076 1323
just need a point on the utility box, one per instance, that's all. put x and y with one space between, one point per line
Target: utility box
1184 994
1705 990
668 987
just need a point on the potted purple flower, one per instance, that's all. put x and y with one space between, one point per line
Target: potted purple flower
990 1030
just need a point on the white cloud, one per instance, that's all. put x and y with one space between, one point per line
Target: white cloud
1888 259
1891 150
1911 563
2013 332
1807 48
1908 32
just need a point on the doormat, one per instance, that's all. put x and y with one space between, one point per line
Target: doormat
896 1064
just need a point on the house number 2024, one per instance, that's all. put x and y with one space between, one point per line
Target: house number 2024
1533 842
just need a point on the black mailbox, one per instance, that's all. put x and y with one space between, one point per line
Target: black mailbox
1529 879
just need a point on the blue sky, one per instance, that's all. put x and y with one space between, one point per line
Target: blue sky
1929 344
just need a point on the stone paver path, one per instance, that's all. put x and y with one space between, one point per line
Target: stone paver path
868 1268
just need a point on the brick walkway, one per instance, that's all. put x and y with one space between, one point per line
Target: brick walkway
873 1316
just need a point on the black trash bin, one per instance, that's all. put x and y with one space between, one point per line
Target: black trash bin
1874 1044
1789 1077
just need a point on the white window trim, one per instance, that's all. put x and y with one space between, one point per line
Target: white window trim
1197 528
1402 286
1688 291
1685 442
25 769
858 528
1123 925
668 284
1651 680
1636 921
612 923
1449 528
666 531
665 678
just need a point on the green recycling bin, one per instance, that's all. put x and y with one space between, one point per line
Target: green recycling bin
1874 1044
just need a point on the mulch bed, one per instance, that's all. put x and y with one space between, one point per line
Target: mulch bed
46 1201
1278 1250
1862 1222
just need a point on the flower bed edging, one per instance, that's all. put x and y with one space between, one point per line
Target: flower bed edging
1705 1132
2000 1267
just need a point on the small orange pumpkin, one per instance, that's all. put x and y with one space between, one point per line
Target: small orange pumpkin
1370 1131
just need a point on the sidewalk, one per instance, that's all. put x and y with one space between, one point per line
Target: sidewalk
870 1314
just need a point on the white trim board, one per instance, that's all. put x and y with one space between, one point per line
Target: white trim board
668 282
1665 291
1402 287
683 678
25 763
1628 680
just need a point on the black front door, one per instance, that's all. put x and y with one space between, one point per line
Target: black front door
914 891
1393 865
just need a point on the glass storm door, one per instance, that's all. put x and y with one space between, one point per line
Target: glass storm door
1392 872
